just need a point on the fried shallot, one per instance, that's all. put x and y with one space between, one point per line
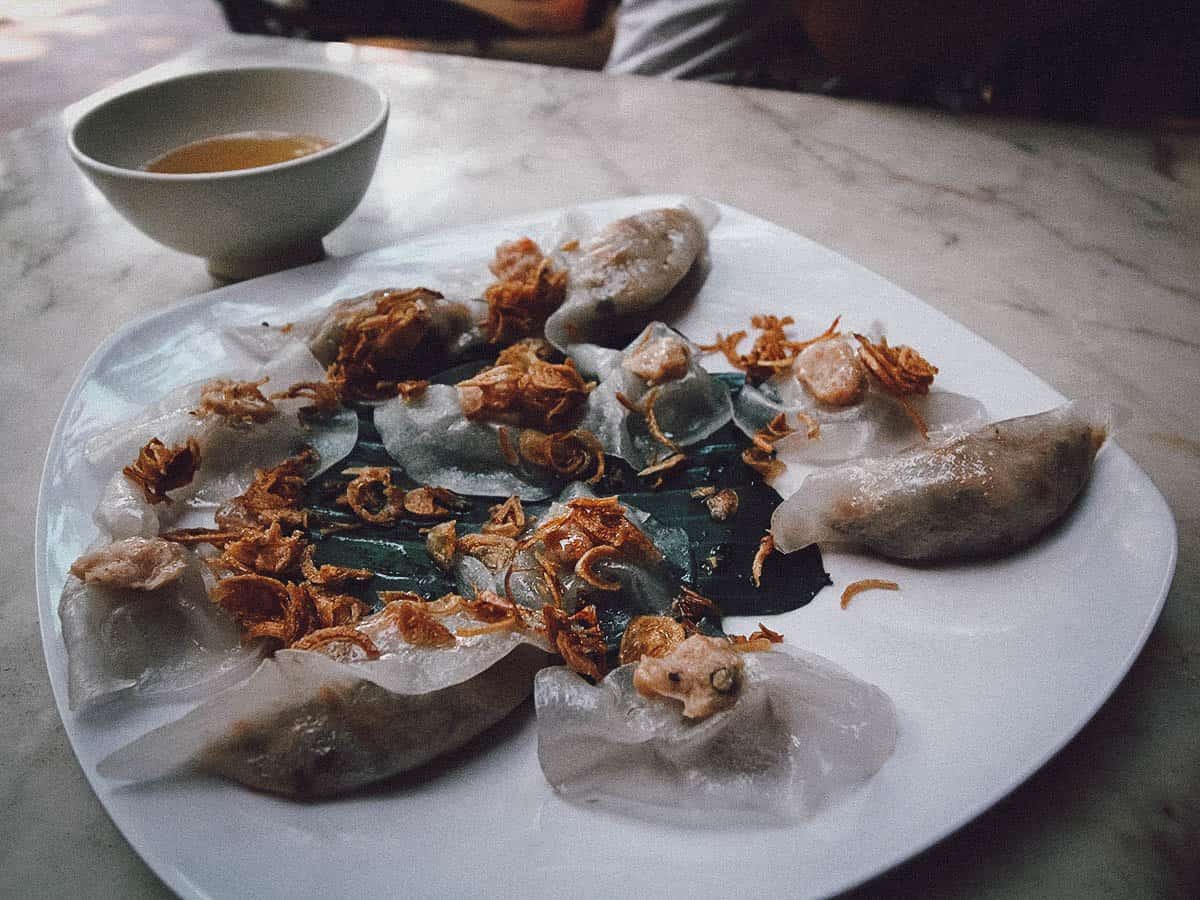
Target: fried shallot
507 518
159 469
275 494
327 575
578 639
536 394
766 546
901 371
238 402
337 641
759 640
650 636
577 455
373 497
417 626
590 522
441 543
529 288
379 346
264 552
264 607
412 390
867 584
773 351
324 399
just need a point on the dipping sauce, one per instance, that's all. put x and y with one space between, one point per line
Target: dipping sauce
244 150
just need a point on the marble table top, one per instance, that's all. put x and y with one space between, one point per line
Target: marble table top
1075 250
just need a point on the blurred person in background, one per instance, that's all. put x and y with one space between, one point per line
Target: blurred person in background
423 19
1121 63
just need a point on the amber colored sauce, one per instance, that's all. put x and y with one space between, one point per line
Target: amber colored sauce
245 150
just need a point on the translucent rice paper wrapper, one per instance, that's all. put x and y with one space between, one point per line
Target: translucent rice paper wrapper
987 493
621 273
170 643
436 444
688 409
229 453
647 587
173 643
877 426
802 734
456 325
307 725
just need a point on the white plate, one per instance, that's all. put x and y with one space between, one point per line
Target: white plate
992 666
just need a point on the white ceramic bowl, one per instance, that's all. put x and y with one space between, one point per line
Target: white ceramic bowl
248 221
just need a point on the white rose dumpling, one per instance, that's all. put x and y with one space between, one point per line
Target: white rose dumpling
620 274
798 733
987 493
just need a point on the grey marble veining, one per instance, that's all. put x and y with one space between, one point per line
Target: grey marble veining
1075 250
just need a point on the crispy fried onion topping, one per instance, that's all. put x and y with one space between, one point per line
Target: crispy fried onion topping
496 612
762 638
525 352
901 371
276 589
532 394
590 523
585 567
412 390
577 455
765 438
238 402
159 469
591 533
650 636
330 576
441 543
379 347
324 399
772 352
723 504
275 495
339 639
335 610
507 518
431 502
250 526
760 455
661 467
260 552
374 499
646 408
766 546
691 606
578 639
264 607
529 288
268 607
493 550
867 584
417 625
